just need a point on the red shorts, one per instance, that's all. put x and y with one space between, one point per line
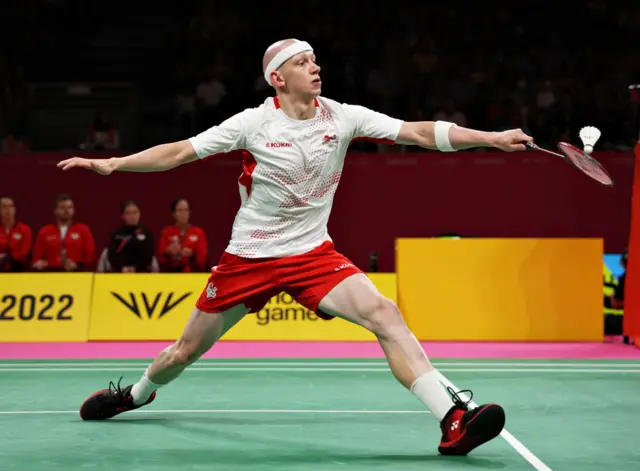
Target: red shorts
307 278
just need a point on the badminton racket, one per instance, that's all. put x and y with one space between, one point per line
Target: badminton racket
579 159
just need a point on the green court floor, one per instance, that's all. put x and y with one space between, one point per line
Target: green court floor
316 415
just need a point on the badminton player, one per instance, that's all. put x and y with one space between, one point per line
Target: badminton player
294 146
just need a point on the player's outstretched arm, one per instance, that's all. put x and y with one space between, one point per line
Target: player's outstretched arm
445 136
154 159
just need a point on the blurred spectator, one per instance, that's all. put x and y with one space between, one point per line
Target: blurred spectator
65 245
182 246
15 144
450 112
545 95
210 93
103 134
15 239
131 247
483 66
185 111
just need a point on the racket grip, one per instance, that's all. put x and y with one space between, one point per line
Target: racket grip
529 145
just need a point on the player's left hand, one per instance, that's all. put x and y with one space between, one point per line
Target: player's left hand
511 140
101 166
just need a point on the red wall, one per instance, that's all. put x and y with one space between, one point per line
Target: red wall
380 197
632 299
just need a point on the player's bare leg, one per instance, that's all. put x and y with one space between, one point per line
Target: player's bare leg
358 300
200 334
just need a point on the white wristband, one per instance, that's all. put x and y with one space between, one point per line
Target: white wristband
441 134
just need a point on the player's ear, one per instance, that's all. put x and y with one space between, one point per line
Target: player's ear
277 79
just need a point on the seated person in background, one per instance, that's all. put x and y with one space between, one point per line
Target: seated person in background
14 144
15 239
183 247
103 134
65 245
131 245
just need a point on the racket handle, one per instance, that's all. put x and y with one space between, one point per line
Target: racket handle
530 145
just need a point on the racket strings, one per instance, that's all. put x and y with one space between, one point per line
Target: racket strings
586 163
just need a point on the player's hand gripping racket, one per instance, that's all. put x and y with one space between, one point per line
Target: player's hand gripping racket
578 159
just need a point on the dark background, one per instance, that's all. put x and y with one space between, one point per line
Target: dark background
547 67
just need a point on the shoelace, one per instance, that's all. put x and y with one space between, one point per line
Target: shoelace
458 400
116 389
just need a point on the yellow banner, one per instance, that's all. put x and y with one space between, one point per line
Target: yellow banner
45 307
501 289
143 306
157 307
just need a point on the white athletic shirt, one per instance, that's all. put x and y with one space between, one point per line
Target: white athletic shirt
291 171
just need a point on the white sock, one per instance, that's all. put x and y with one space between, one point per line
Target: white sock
429 390
143 389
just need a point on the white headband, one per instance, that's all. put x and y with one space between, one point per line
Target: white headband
284 55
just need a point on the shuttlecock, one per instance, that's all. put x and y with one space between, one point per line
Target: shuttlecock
589 136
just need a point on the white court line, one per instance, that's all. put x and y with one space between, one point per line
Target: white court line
206 362
225 411
510 439
89 369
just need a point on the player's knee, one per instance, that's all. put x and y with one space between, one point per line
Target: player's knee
384 319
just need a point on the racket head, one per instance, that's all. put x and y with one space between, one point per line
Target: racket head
587 164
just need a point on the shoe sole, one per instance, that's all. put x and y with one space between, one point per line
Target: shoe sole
485 426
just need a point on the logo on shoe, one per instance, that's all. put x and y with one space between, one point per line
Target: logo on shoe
455 425
151 305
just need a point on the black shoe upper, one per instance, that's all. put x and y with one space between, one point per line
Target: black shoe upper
107 403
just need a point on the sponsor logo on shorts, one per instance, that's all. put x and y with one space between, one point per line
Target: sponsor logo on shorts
212 291
142 304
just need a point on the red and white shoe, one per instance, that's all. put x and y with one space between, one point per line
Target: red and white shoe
464 429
